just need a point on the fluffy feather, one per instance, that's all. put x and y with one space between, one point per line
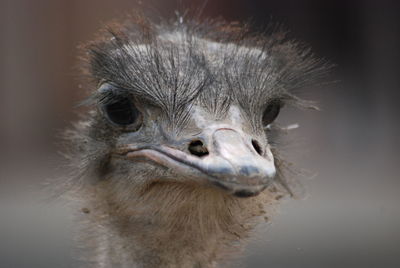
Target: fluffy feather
175 66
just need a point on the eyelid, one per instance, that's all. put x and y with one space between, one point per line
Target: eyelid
109 91
276 100
106 87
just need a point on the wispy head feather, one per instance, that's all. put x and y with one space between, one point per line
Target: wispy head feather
174 65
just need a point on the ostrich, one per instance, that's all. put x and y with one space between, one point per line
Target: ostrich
176 161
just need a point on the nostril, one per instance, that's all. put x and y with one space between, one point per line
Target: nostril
196 147
257 147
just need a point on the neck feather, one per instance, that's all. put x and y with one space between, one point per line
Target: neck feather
177 225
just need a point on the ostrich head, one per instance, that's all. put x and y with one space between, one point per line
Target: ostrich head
188 104
182 127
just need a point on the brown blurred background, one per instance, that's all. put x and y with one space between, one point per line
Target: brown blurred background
352 215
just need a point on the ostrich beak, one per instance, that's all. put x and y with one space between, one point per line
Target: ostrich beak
228 161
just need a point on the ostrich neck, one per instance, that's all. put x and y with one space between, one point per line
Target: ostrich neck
172 225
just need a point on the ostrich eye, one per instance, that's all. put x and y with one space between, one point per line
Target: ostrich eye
122 112
270 113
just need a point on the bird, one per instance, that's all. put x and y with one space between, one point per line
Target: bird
177 159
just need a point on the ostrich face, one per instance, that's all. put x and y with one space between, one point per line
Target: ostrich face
182 104
225 152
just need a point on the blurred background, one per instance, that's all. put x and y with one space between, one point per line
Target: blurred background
351 217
